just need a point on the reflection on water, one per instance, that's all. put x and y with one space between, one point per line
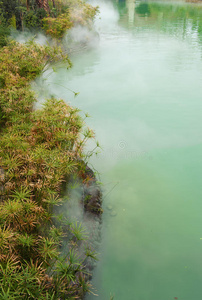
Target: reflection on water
183 20
142 86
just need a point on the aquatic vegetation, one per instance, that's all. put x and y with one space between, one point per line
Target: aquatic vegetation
78 231
39 150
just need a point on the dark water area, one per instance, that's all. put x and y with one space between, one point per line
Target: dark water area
142 86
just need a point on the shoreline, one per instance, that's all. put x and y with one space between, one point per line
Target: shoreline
39 151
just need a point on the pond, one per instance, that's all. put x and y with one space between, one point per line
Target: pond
141 82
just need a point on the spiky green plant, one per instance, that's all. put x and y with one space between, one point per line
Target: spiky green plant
26 241
23 194
78 231
89 253
57 233
48 249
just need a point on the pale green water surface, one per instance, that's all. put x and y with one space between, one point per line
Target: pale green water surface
142 85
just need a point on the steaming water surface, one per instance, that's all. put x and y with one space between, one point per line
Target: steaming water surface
142 86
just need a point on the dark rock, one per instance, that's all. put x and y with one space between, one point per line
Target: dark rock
92 195
92 199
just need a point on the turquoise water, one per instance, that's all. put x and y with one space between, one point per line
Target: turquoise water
142 85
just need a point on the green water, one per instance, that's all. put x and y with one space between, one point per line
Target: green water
142 85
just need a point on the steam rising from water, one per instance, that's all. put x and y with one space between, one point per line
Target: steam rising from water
73 211
79 38
108 16
27 35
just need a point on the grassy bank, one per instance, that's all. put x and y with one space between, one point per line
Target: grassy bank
39 151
